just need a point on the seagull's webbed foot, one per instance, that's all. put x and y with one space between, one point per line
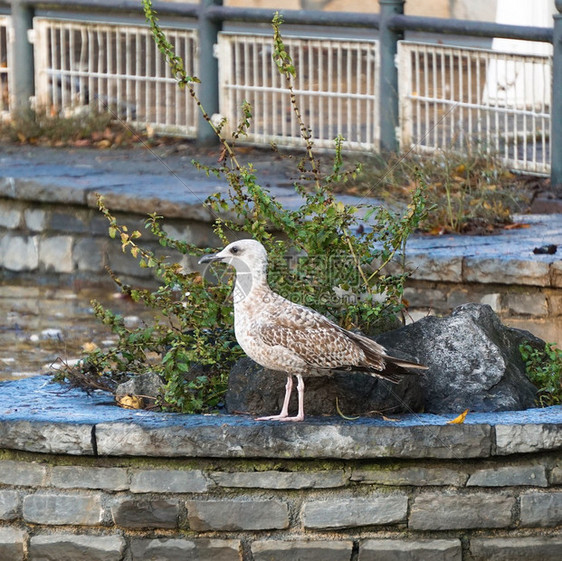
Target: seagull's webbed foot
281 418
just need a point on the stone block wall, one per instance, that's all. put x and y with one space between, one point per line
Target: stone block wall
537 309
63 508
82 479
69 242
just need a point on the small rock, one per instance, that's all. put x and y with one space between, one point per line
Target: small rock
62 364
549 249
131 321
52 333
146 385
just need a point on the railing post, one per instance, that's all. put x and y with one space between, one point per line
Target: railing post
388 86
21 60
208 70
556 105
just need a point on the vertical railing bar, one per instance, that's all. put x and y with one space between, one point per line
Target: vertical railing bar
426 126
359 88
63 69
470 100
139 50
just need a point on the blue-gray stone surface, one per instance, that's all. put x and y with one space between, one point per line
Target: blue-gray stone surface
39 416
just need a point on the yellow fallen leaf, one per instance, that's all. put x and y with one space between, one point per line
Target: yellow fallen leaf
130 401
89 347
460 419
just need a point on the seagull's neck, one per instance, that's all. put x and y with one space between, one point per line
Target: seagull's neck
250 283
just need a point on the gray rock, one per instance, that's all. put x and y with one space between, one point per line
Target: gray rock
10 216
12 543
437 511
68 477
168 481
539 548
418 476
318 550
145 513
541 509
55 254
508 476
522 439
19 253
47 437
53 509
556 475
474 361
9 505
22 473
362 439
259 391
406 550
236 514
280 479
88 254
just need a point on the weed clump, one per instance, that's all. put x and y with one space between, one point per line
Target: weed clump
544 368
470 193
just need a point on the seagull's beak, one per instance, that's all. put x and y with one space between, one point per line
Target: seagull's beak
210 258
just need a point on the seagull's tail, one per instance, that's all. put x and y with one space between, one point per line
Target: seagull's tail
379 363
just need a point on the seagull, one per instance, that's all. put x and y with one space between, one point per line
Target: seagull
284 336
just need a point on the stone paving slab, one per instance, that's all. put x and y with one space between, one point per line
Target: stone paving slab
39 416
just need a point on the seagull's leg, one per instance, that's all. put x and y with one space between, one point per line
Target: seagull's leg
300 390
285 409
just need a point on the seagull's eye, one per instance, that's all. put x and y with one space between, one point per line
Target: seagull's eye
234 250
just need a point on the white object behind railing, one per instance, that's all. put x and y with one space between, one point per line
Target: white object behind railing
113 68
444 105
520 84
335 86
4 67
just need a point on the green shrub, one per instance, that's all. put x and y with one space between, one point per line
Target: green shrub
326 254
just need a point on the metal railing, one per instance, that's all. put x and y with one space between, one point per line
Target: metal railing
416 118
476 99
4 81
335 89
115 68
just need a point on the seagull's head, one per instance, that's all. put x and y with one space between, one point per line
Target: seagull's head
246 256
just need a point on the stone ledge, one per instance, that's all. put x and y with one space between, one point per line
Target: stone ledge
132 183
77 424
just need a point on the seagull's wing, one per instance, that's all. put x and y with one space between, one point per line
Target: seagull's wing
322 344
314 338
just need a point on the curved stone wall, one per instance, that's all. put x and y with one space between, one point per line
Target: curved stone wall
83 479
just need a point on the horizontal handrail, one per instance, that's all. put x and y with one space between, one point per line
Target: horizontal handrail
470 27
218 13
